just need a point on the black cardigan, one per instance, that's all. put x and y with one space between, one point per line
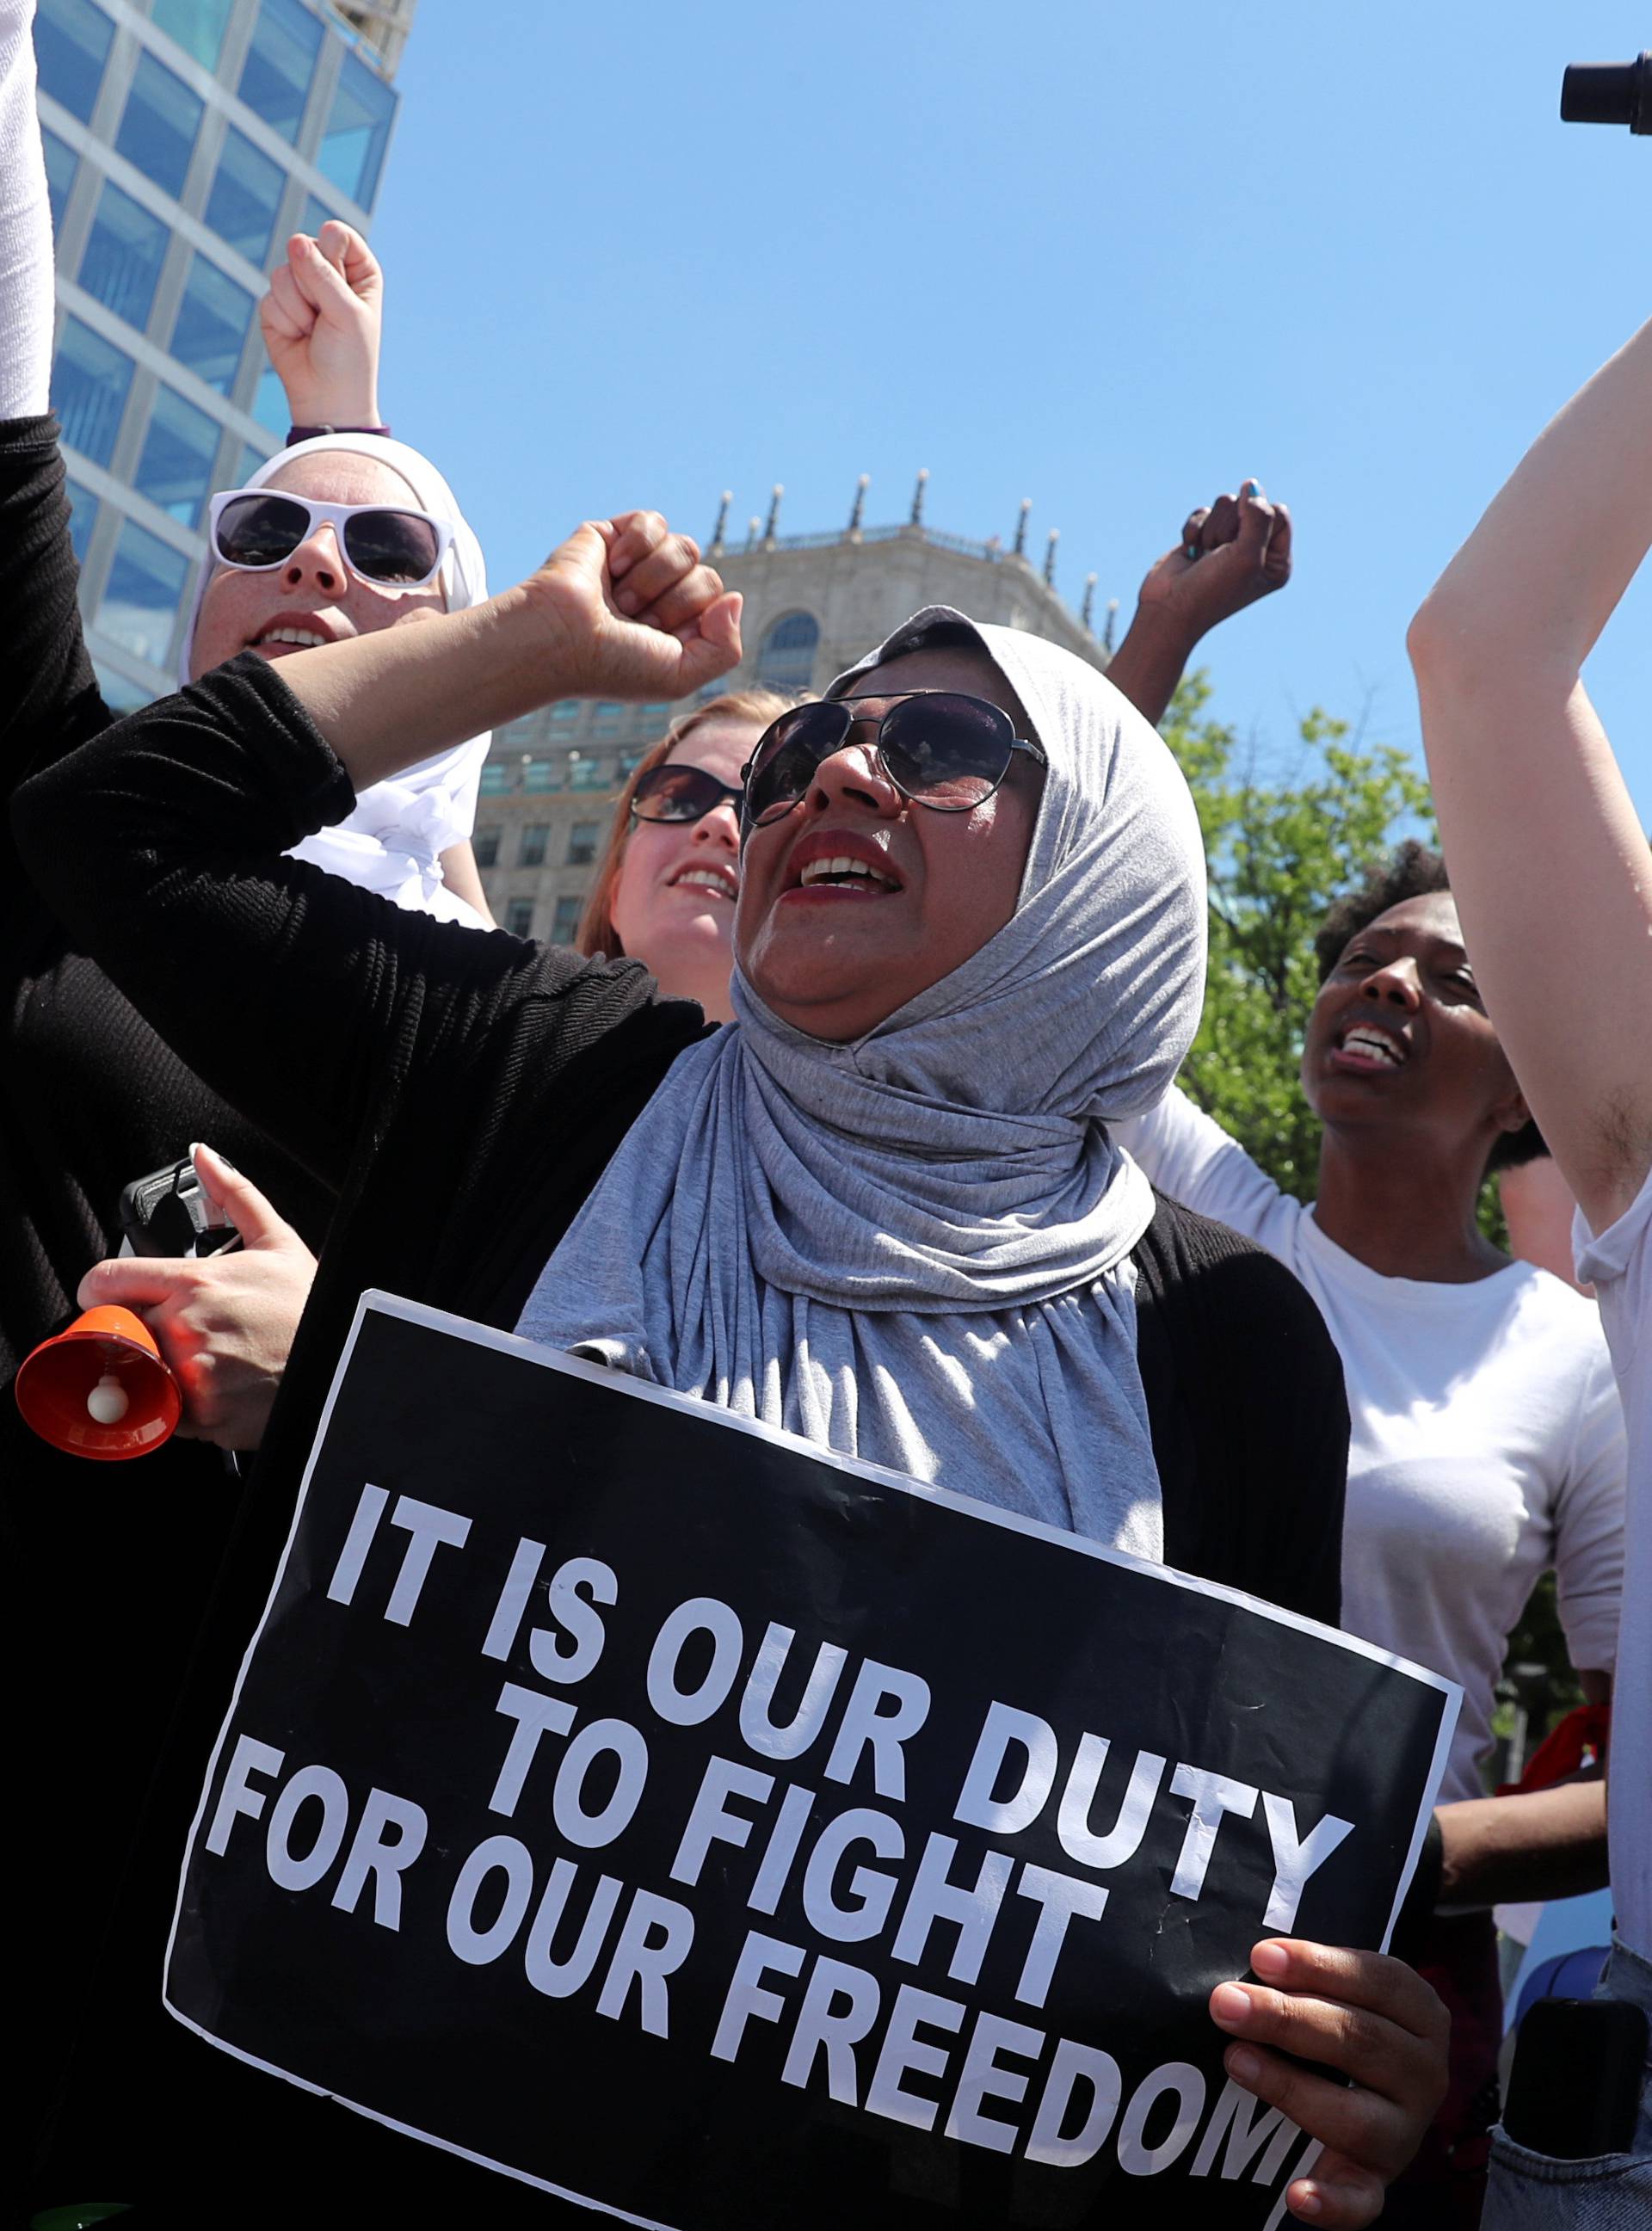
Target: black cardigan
463 1091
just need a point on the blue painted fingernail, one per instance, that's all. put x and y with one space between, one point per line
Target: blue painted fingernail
1252 488
1189 550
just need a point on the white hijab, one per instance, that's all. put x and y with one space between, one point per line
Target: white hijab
915 1248
392 840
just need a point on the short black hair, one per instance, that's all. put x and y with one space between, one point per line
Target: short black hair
1413 870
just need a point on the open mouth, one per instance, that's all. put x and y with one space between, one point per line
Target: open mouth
1364 1047
720 881
292 632
841 873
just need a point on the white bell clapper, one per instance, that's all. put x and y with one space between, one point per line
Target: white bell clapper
109 1402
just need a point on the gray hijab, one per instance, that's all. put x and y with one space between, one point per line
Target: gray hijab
914 1248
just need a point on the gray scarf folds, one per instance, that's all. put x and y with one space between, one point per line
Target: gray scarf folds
914 1249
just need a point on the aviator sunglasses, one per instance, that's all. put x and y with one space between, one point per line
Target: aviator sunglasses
391 544
939 748
671 793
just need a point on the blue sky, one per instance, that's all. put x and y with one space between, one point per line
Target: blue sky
1111 257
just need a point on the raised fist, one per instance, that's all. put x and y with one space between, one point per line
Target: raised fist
320 321
1231 553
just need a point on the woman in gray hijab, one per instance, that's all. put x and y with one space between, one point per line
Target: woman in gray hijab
882 1208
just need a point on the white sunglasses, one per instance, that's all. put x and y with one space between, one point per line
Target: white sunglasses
393 546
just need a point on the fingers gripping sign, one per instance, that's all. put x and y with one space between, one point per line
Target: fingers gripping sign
322 323
632 612
224 1323
1366 2014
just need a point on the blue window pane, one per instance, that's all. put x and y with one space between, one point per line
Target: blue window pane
246 194
141 598
82 518
212 321
197 26
175 470
248 463
119 694
316 214
270 405
280 61
158 130
71 46
61 164
352 152
89 384
125 250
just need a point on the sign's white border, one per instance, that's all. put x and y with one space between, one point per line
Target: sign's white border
417 1313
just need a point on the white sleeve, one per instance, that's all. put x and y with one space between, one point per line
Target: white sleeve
1189 1155
1589 1525
26 292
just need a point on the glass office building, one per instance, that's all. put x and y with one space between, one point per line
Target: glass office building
185 140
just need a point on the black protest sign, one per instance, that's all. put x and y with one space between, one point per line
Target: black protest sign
653 1808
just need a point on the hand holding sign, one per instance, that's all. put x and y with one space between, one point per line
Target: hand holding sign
889 1846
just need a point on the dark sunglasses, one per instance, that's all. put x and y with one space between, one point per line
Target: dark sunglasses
254 529
939 748
671 793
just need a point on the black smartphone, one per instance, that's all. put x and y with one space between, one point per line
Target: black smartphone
1574 2091
166 1212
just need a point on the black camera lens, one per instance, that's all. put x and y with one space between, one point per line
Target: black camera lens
1609 93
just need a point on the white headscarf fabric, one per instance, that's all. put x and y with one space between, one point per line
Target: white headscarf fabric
392 840
914 1248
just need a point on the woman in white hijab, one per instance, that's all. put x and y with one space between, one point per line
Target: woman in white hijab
882 1209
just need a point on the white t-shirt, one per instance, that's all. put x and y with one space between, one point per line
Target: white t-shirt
1486 1436
1620 1266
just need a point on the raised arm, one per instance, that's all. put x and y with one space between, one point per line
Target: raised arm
298 997
1549 865
49 697
1229 553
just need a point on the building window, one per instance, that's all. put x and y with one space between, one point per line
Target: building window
90 381
590 774
786 659
175 470
519 917
565 926
82 518
316 214
159 127
280 61
530 853
141 598
607 714
494 778
61 164
539 775
566 712
582 842
248 461
484 843
245 195
270 405
120 694
211 328
352 152
198 25
71 46
125 250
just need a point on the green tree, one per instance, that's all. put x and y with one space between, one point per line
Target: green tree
1282 842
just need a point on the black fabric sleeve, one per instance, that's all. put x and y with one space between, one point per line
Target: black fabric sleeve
1249 1414
48 696
309 1004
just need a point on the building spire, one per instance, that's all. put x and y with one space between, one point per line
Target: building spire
774 511
916 519
1089 601
721 527
1049 556
858 513
1020 527
753 528
1113 622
